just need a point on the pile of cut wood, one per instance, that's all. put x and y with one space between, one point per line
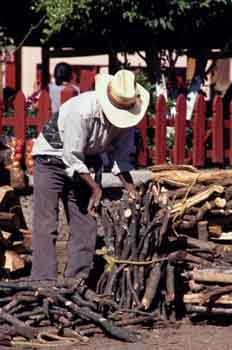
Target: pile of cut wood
165 252
15 238
60 313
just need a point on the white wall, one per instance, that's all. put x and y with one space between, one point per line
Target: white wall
31 56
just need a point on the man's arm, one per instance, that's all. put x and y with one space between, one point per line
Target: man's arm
96 192
75 138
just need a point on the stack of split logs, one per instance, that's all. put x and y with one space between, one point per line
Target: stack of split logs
15 238
168 251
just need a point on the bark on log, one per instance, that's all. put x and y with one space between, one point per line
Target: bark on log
20 327
215 230
203 233
208 312
152 286
212 276
199 298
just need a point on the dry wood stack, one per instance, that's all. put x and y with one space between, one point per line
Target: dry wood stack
15 238
58 313
170 244
202 209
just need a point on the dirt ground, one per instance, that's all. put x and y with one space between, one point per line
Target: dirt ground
179 336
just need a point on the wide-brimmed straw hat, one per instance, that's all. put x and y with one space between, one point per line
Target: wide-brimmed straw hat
123 100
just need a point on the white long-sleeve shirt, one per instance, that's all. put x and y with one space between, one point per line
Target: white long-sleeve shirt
85 131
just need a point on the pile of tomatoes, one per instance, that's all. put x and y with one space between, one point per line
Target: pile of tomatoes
17 149
21 154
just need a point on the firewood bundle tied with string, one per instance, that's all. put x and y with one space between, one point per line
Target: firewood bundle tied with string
135 232
154 243
202 200
201 216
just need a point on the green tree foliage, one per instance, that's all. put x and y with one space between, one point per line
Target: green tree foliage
126 21
149 14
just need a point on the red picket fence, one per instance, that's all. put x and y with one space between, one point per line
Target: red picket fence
211 137
207 140
21 119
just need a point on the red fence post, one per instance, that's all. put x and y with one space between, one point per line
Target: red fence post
19 116
160 125
217 131
44 109
87 79
10 75
199 132
180 130
67 93
142 148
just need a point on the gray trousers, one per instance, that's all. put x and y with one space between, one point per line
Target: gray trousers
50 184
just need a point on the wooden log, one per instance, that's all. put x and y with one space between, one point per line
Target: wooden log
202 229
9 222
87 331
199 298
20 327
206 311
182 255
195 287
229 204
181 206
184 225
197 243
181 192
152 286
225 236
170 284
215 230
186 177
220 202
213 295
172 167
210 276
12 261
98 319
228 193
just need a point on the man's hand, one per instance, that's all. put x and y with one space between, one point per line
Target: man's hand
94 200
130 188
127 182
96 193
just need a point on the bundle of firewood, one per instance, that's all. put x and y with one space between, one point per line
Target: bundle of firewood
201 200
201 211
155 243
140 263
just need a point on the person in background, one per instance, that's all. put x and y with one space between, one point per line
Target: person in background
62 75
62 78
71 142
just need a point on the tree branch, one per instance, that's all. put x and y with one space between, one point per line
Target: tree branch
29 33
